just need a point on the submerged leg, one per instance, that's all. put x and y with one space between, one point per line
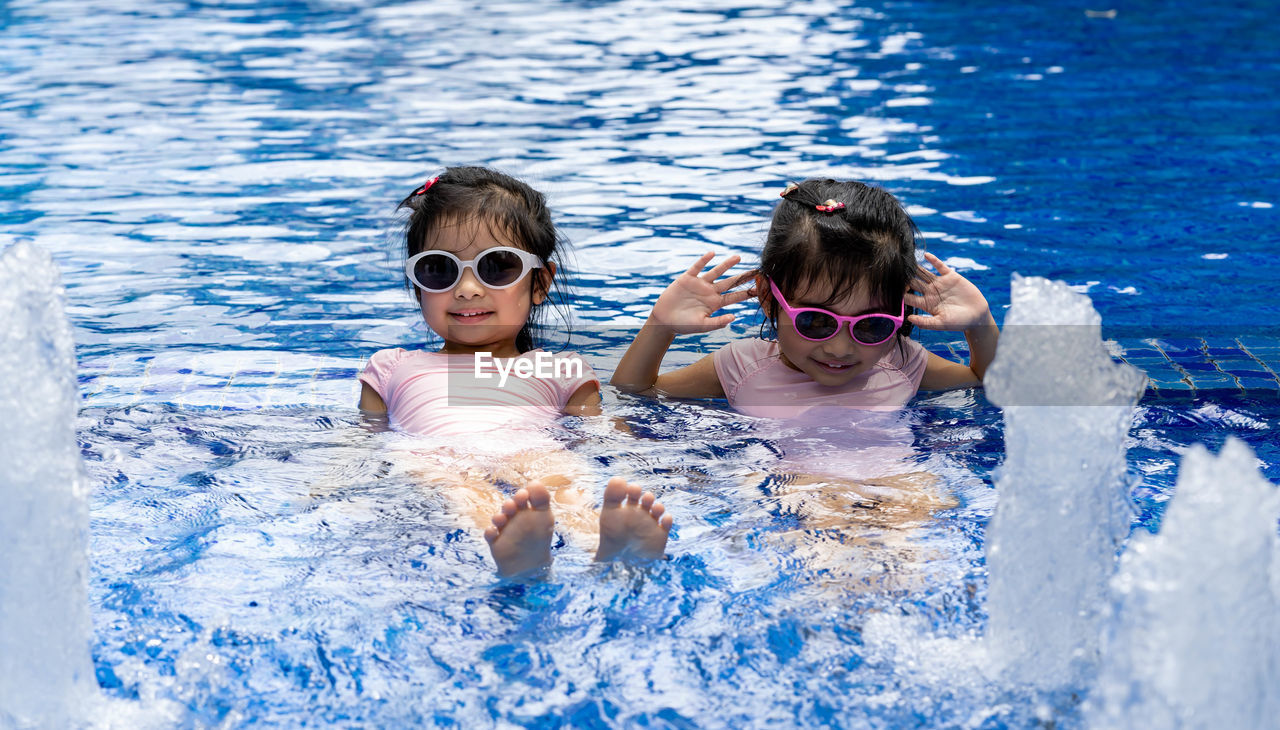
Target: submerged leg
560 471
631 523
520 537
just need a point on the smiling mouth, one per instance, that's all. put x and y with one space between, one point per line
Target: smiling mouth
470 315
835 367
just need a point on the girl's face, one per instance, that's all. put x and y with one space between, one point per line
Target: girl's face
832 362
472 317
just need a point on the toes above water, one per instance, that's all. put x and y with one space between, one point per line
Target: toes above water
520 537
632 523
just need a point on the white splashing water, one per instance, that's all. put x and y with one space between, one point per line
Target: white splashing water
46 675
1063 507
1195 642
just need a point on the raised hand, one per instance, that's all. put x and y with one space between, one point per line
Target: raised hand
687 304
953 302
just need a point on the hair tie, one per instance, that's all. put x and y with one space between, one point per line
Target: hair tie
791 188
830 206
425 187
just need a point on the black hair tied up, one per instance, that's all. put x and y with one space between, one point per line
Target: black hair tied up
510 210
839 235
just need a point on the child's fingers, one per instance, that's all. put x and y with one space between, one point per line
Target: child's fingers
942 268
735 297
914 300
721 321
732 282
721 267
700 263
923 322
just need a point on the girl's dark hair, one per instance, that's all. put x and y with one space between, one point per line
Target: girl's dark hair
869 241
510 209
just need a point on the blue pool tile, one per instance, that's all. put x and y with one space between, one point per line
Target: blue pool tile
1199 366
1237 363
1162 377
1146 364
1242 374
1260 384
1173 385
1227 353
1207 375
1211 383
1185 354
1212 341
1267 359
1258 340
1180 344
1271 361
1266 376
1240 366
1144 353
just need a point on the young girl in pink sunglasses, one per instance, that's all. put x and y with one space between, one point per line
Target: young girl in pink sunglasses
481 251
836 276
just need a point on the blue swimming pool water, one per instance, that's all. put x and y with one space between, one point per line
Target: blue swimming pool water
216 182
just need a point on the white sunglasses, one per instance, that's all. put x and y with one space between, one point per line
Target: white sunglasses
499 267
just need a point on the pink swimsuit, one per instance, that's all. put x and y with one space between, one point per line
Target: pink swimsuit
434 394
758 383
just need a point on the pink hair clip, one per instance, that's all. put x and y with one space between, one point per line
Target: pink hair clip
830 206
426 186
791 188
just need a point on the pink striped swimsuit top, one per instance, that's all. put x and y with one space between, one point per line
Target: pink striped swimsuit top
758 383
434 394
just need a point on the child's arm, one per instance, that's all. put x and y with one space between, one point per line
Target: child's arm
954 303
585 401
370 401
685 307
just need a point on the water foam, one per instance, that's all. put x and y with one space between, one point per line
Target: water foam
1195 642
1063 508
45 671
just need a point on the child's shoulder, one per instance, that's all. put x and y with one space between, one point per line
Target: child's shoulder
908 356
909 361
378 370
751 350
389 352
392 358
741 359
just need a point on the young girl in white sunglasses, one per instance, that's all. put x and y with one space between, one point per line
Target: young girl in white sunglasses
481 264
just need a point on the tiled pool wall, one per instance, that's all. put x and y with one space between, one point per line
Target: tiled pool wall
1183 366
1208 364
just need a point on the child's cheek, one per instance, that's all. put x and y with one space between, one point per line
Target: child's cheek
514 307
794 347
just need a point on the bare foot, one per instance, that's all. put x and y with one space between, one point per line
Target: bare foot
631 523
520 538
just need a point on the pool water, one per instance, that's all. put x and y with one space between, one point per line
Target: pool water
256 567
216 183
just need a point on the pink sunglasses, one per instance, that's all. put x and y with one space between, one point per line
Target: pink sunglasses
819 325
